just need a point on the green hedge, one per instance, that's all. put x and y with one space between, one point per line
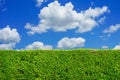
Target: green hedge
60 65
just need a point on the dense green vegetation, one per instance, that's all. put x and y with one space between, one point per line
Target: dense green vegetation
60 65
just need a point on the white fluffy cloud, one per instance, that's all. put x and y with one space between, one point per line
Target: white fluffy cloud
8 46
38 45
39 2
8 35
8 38
112 28
102 20
66 42
61 18
117 47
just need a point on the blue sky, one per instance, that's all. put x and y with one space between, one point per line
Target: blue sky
59 24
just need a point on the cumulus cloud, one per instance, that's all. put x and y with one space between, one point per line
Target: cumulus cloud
8 46
38 45
66 42
101 20
112 28
8 38
57 17
39 2
8 35
117 47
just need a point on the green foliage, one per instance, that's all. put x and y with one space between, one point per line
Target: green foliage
83 64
